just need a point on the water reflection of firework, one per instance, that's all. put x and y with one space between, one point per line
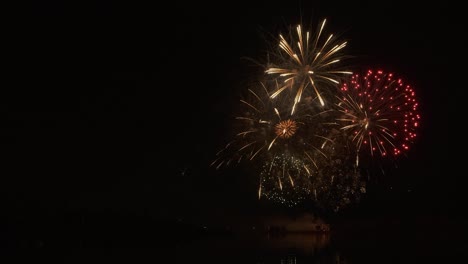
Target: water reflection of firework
306 62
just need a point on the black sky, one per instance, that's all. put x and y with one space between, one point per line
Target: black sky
121 107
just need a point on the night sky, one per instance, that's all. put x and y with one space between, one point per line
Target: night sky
120 108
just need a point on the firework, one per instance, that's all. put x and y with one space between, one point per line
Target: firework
304 129
339 183
379 112
335 185
274 141
285 180
306 62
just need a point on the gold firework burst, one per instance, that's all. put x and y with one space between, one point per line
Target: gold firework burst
310 62
286 128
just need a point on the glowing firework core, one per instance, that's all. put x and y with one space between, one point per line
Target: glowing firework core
365 122
286 128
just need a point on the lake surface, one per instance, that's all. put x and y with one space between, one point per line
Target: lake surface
391 243
287 249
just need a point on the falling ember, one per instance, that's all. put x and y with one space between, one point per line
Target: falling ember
286 128
291 180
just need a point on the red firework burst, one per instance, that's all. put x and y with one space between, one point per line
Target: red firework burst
380 111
